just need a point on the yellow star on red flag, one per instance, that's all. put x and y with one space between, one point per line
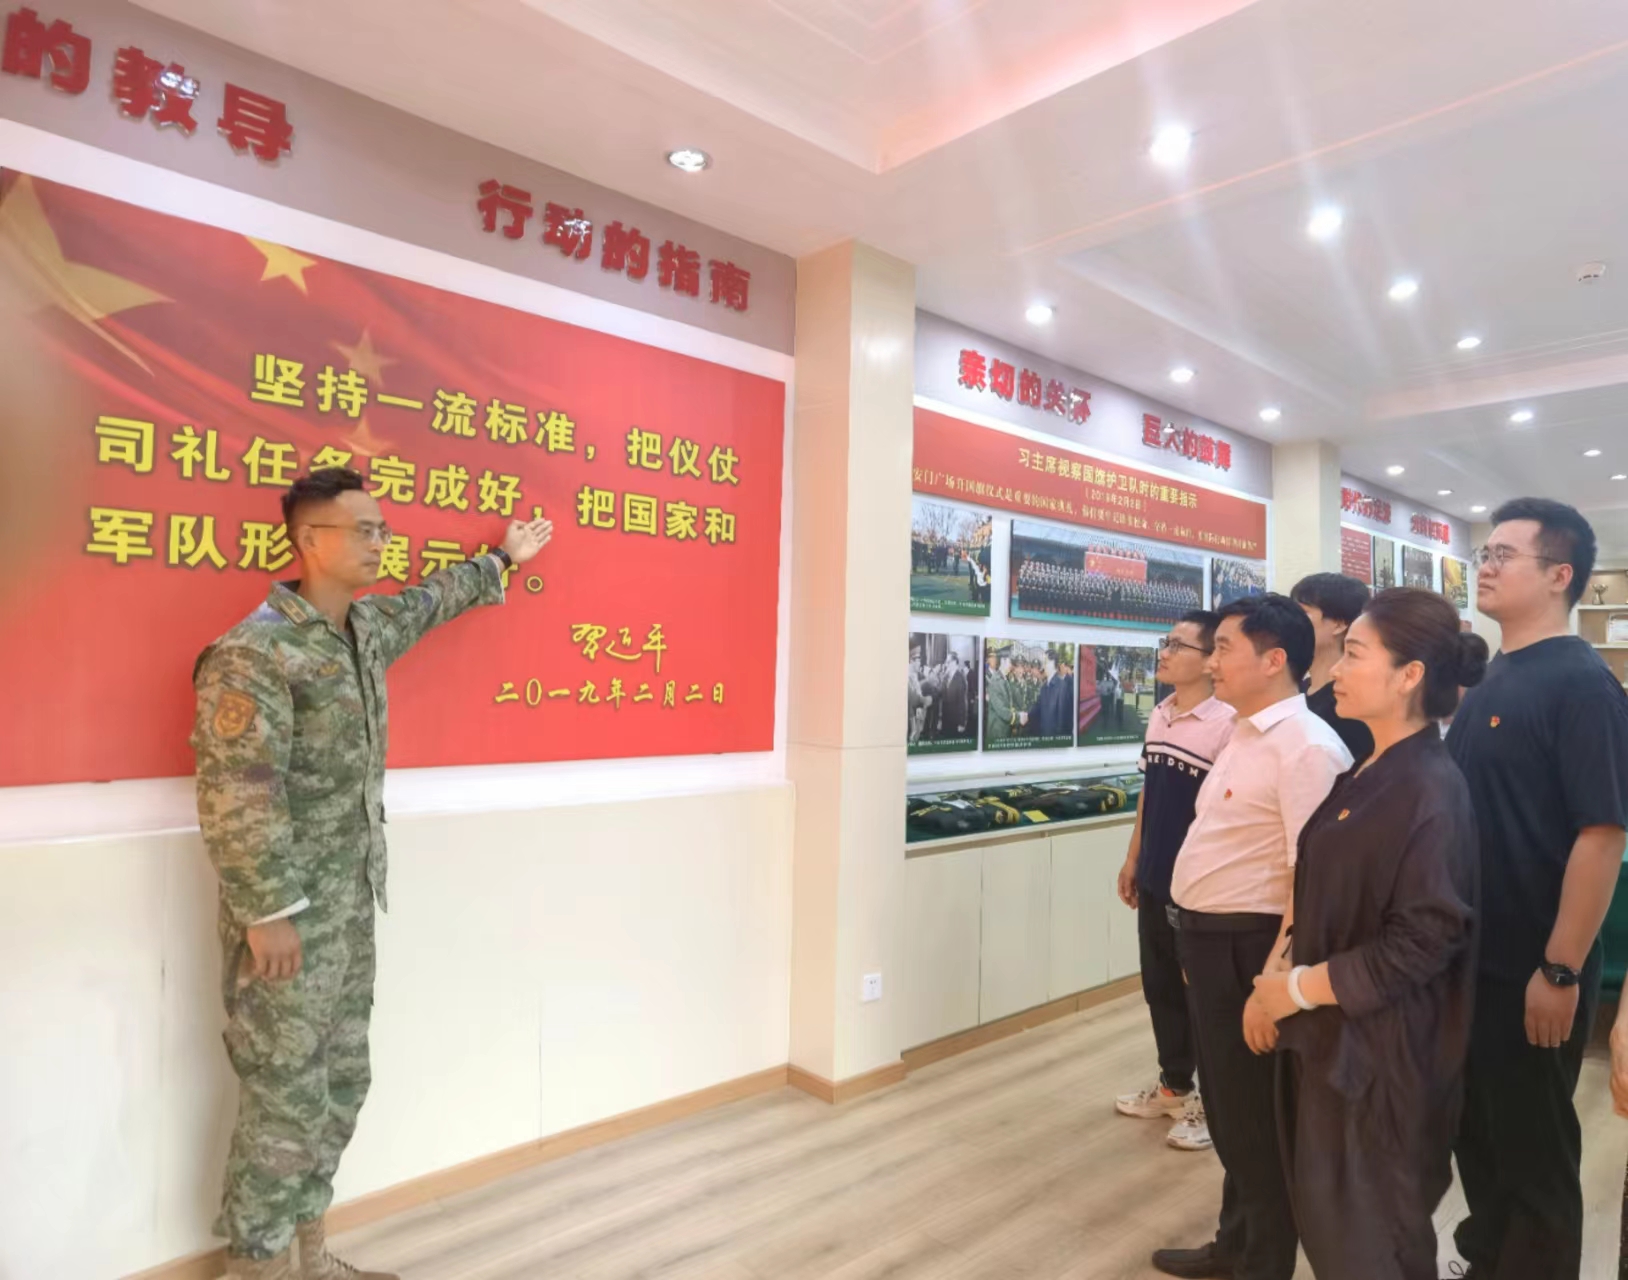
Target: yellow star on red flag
283 263
364 442
35 274
364 358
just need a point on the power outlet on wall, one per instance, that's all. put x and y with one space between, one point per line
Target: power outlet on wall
870 987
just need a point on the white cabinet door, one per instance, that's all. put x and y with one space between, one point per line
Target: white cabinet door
943 907
1016 951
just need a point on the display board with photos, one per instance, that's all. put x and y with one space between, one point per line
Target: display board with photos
1060 604
944 693
1082 576
1455 581
949 559
1418 568
1028 695
1384 563
1232 580
1118 690
1373 559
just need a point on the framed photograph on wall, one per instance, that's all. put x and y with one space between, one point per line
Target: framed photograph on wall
1455 581
1088 577
1384 563
949 559
1235 580
1418 569
1118 692
1357 555
943 687
1028 695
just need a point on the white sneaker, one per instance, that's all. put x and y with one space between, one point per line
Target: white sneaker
1191 1132
1156 1103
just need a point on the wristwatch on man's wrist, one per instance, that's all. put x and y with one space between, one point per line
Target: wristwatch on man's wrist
504 559
1560 975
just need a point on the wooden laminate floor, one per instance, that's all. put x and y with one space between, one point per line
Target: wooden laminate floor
1003 1163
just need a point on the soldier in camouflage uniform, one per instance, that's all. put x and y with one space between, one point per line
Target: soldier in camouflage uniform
290 738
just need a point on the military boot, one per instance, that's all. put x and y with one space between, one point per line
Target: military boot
316 1263
279 1268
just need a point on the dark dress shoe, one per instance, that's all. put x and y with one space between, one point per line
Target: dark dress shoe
1193 1264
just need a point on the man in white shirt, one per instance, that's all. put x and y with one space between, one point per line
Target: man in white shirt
1232 895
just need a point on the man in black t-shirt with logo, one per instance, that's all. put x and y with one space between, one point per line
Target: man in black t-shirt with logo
1543 743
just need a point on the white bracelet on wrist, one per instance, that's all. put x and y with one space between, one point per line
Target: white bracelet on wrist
1295 992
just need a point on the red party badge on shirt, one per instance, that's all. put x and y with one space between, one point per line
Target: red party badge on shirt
1495 722
1228 796
1344 814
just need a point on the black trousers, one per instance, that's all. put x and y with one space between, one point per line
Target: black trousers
1520 1146
1166 993
1221 956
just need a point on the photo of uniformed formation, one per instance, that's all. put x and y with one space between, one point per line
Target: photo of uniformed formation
1028 695
1081 575
943 694
1235 580
1118 692
1418 569
1455 581
949 559
1384 563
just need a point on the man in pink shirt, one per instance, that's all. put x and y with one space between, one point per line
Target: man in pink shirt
1232 895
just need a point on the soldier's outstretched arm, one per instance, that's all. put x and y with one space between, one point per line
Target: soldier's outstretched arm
241 737
406 618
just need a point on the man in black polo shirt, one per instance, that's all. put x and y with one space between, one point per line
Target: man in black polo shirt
1543 743
1185 734
1333 602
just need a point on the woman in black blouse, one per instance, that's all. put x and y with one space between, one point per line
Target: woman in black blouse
1373 1018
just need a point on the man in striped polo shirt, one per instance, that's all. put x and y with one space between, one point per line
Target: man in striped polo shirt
1185 734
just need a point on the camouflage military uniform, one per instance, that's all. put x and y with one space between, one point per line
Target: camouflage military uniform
291 733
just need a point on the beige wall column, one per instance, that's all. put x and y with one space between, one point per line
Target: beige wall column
1305 511
850 617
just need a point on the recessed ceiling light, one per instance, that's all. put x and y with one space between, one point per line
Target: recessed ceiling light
1591 453
1325 223
1403 289
1171 144
1620 476
1469 342
1478 508
1181 373
689 159
1271 413
1040 313
1443 493
1395 469
1521 416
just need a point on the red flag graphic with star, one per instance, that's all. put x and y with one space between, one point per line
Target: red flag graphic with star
164 380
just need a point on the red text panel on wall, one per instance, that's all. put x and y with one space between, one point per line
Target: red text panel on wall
166 381
962 460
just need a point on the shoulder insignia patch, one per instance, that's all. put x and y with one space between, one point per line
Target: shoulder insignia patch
234 715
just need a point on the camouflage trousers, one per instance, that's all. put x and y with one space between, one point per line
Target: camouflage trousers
299 1049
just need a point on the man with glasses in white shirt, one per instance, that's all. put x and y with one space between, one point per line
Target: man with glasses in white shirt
1232 895
1185 734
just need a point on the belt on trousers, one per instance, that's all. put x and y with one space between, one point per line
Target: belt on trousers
1207 922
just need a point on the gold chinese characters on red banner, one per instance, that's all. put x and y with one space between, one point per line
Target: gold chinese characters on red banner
992 468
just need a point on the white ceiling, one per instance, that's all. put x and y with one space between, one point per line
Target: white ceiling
1000 145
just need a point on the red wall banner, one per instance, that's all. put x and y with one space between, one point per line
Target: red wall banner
165 382
959 459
